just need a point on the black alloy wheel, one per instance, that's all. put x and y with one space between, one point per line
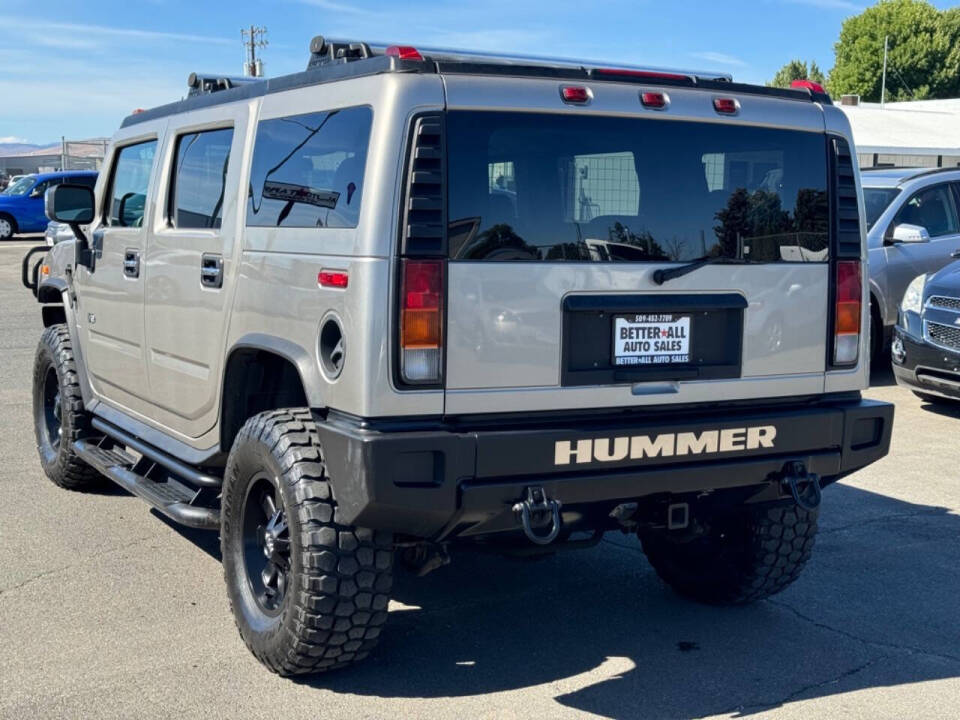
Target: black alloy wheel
266 544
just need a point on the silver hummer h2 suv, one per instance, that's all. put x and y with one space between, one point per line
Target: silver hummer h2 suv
406 302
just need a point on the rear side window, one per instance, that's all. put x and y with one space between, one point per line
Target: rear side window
128 184
875 201
308 169
556 188
933 209
199 179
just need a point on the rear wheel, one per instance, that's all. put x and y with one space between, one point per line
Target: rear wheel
744 555
58 414
308 592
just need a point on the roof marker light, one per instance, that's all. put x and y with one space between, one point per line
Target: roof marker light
654 100
404 52
809 85
575 94
726 106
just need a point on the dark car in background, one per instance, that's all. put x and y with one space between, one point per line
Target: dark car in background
21 204
926 340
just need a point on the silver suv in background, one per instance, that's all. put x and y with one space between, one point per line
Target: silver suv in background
913 228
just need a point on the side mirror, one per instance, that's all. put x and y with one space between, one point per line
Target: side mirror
70 204
73 205
906 233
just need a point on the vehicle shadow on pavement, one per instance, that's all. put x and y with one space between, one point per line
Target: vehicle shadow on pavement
875 608
946 409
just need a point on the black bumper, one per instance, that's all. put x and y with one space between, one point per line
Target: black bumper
441 480
926 368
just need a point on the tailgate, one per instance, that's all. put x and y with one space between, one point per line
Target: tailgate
558 223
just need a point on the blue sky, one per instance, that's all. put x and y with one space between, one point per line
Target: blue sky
75 69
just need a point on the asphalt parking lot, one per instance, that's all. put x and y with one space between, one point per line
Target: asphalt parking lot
106 610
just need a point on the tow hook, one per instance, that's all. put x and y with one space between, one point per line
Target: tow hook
804 486
538 509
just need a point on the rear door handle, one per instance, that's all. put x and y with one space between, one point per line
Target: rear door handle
131 263
211 270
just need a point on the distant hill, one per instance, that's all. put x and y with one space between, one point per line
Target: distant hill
77 148
26 149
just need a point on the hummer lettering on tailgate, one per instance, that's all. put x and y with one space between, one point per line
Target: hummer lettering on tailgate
665 445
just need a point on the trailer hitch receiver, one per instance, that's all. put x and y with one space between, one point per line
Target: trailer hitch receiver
536 510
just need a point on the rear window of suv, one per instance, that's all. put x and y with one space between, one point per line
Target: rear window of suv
529 187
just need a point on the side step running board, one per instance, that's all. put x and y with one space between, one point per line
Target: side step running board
166 494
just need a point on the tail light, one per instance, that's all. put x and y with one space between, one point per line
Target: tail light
421 321
846 314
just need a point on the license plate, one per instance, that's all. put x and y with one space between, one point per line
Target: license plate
651 339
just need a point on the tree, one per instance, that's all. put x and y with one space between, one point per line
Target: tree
924 52
797 70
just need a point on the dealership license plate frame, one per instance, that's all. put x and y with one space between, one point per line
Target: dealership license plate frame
716 334
666 339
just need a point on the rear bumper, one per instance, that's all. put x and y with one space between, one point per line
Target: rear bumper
440 480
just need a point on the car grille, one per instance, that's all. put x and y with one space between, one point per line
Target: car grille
947 303
944 335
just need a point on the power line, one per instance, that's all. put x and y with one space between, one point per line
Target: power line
253 38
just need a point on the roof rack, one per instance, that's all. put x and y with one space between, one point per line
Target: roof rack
929 171
201 84
324 51
333 60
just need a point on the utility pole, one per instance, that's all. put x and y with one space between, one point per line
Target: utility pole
253 38
883 83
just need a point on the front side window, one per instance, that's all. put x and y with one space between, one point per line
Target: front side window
128 184
308 169
933 209
564 188
198 182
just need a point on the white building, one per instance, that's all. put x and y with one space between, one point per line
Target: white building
922 133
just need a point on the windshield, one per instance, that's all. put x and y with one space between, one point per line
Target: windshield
524 186
21 186
875 201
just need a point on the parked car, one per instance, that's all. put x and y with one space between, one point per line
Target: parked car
926 340
57 232
21 204
309 316
913 228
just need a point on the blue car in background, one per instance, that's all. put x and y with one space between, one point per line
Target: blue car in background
21 204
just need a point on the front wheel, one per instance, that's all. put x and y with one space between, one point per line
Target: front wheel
744 555
7 227
58 414
309 593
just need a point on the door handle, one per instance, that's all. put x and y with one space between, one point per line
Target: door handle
131 263
955 254
211 270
